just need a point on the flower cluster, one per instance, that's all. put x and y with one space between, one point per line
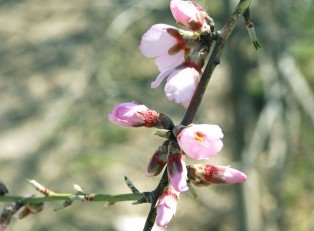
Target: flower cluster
197 141
178 53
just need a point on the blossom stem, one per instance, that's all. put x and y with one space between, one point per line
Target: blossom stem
214 60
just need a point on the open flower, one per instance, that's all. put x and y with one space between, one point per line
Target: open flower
133 115
164 43
202 175
166 206
200 141
181 83
188 13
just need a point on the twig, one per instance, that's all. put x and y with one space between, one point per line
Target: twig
80 195
214 60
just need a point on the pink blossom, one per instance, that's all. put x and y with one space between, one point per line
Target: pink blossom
133 115
181 83
231 175
188 13
206 174
164 43
166 206
200 141
2 227
177 172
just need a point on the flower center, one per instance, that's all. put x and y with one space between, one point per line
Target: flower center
199 137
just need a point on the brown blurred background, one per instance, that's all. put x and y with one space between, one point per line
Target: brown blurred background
65 64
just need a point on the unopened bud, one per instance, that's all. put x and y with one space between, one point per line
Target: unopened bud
177 172
158 160
166 206
203 175
189 14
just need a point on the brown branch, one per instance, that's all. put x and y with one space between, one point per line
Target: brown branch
214 60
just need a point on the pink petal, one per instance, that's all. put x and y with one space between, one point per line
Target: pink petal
161 77
166 61
178 181
201 141
181 85
157 41
232 176
164 216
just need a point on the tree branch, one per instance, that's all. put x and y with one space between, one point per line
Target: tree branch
78 196
214 60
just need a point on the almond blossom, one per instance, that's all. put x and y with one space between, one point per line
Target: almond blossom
181 84
200 141
177 172
133 114
202 175
164 43
166 206
189 14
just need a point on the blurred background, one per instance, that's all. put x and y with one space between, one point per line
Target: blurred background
65 64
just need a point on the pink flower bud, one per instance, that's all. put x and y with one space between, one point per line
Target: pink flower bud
200 141
164 43
158 160
166 206
188 13
202 175
177 171
133 115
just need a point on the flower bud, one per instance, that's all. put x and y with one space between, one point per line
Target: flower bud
158 160
188 14
200 141
177 172
166 206
133 115
203 175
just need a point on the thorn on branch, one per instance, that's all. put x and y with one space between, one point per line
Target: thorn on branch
131 185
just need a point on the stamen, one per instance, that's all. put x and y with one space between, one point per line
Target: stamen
199 137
